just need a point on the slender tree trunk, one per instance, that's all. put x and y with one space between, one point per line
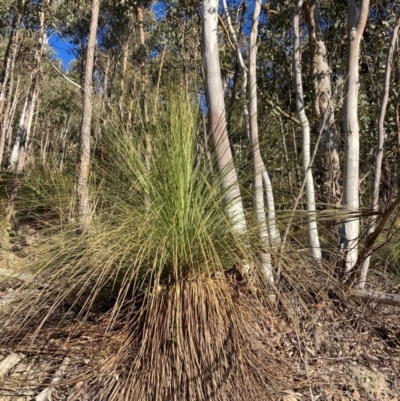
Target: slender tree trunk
9 119
122 82
21 140
143 68
379 150
259 209
10 108
7 72
310 191
322 105
84 163
273 231
216 114
22 156
349 232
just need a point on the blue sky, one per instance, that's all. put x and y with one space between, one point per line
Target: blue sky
63 49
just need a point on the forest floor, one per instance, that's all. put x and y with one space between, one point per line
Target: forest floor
354 355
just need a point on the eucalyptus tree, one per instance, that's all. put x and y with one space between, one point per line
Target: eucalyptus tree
323 107
380 145
7 76
216 113
259 207
21 144
84 208
313 236
250 116
356 22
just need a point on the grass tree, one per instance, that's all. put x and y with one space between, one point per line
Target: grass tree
310 190
160 245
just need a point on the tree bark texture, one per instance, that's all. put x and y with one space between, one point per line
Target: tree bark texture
310 190
84 209
322 104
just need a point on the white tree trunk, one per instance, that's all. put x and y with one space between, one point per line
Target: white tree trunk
259 209
84 164
351 202
216 114
379 150
310 191
273 231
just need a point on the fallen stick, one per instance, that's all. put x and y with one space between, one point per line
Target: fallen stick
378 297
45 394
8 363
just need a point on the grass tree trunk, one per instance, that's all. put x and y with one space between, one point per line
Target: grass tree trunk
356 21
259 208
379 150
216 114
310 191
84 163
323 107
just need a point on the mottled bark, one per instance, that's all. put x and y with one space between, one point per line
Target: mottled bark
323 107
84 208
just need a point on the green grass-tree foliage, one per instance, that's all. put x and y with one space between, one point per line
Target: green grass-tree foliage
154 257
158 217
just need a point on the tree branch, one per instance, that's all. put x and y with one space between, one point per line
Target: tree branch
65 77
